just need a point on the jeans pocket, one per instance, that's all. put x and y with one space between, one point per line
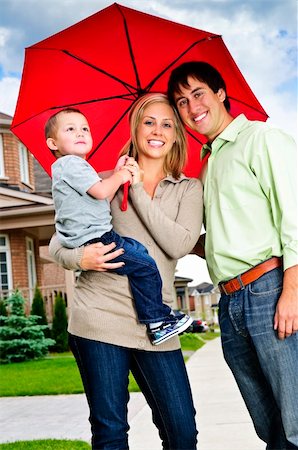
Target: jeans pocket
270 283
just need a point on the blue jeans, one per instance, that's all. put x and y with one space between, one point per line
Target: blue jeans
265 368
162 378
143 276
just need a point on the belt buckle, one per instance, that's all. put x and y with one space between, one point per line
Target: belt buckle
224 289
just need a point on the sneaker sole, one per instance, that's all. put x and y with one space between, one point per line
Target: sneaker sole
175 332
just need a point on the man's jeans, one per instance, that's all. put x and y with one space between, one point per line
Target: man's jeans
265 368
143 275
162 378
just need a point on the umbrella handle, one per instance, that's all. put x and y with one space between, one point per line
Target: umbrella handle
125 196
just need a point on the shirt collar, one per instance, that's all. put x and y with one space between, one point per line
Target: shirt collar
229 134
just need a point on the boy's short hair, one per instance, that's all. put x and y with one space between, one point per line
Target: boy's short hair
200 70
52 123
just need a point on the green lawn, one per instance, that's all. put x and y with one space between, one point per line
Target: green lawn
58 373
48 444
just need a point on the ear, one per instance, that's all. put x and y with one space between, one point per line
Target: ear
221 94
51 144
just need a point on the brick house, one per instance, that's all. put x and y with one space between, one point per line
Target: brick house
26 222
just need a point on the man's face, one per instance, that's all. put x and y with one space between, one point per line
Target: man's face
201 109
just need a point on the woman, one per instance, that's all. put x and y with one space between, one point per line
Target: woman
165 214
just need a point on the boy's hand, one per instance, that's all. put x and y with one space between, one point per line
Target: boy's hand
137 173
125 174
120 163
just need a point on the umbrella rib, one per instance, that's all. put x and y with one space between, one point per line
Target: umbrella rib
194 137
139 88
209 38
127 85
249 106
109 132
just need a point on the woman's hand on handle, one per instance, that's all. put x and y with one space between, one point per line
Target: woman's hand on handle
97 257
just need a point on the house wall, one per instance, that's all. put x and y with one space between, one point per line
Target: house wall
12 165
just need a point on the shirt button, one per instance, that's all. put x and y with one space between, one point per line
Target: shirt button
141 344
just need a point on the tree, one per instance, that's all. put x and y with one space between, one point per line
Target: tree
59 327
38 308
21 338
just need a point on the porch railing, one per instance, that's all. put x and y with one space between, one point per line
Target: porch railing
48 293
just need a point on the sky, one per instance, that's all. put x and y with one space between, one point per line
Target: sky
261 35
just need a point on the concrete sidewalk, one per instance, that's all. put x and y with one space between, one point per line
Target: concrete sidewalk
223 421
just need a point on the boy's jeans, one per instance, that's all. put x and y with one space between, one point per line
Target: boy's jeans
143 275
265 368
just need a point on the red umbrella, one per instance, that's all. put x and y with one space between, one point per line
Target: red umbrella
102 64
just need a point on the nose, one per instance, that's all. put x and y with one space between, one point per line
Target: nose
192 105
157 129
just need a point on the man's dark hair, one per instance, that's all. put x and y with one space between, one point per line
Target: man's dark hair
200 70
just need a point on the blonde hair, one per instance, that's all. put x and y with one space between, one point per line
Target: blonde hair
175 160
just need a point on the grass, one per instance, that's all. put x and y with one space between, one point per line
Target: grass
47 444
58 373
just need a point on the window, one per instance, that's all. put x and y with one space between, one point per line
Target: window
31 266
24 166
5 263
2 174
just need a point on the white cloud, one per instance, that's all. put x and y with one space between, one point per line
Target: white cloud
9 89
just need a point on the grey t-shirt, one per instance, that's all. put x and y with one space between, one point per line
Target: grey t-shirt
79 216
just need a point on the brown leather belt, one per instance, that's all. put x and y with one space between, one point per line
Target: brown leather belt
249 276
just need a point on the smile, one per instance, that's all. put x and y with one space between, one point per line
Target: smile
156 144
200 117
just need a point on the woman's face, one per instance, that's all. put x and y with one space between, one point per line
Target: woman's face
156 131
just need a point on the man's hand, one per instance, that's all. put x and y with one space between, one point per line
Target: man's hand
96 257
286 315
199 248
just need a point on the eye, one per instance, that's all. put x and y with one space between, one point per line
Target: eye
70 128
148 122
181 103
86 129
167 125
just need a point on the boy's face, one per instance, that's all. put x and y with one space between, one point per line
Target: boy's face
73 135
201 109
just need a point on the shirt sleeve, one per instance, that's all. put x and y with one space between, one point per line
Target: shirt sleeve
78 174
275 166
176 237
69 258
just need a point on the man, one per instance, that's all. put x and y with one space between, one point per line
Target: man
250 247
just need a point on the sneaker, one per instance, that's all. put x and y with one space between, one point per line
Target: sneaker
169 328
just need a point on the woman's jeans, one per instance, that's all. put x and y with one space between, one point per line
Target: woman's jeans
265 368
161 377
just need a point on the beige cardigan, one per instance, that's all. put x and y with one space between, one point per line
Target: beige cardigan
169 226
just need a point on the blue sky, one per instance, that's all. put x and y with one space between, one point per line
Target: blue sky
260 34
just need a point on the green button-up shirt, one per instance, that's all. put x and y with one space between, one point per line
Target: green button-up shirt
250 198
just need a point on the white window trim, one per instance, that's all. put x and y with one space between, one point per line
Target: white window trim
2 168
6 248
31 268
24 164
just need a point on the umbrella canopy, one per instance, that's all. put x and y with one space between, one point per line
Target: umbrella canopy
102 64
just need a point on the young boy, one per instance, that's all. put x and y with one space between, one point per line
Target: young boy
83 217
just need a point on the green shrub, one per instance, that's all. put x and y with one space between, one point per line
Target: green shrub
37 308
21 338
59 327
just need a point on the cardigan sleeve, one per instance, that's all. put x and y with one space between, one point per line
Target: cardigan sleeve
69 258
176 236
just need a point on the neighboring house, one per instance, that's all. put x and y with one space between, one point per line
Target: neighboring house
203 299
26 219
